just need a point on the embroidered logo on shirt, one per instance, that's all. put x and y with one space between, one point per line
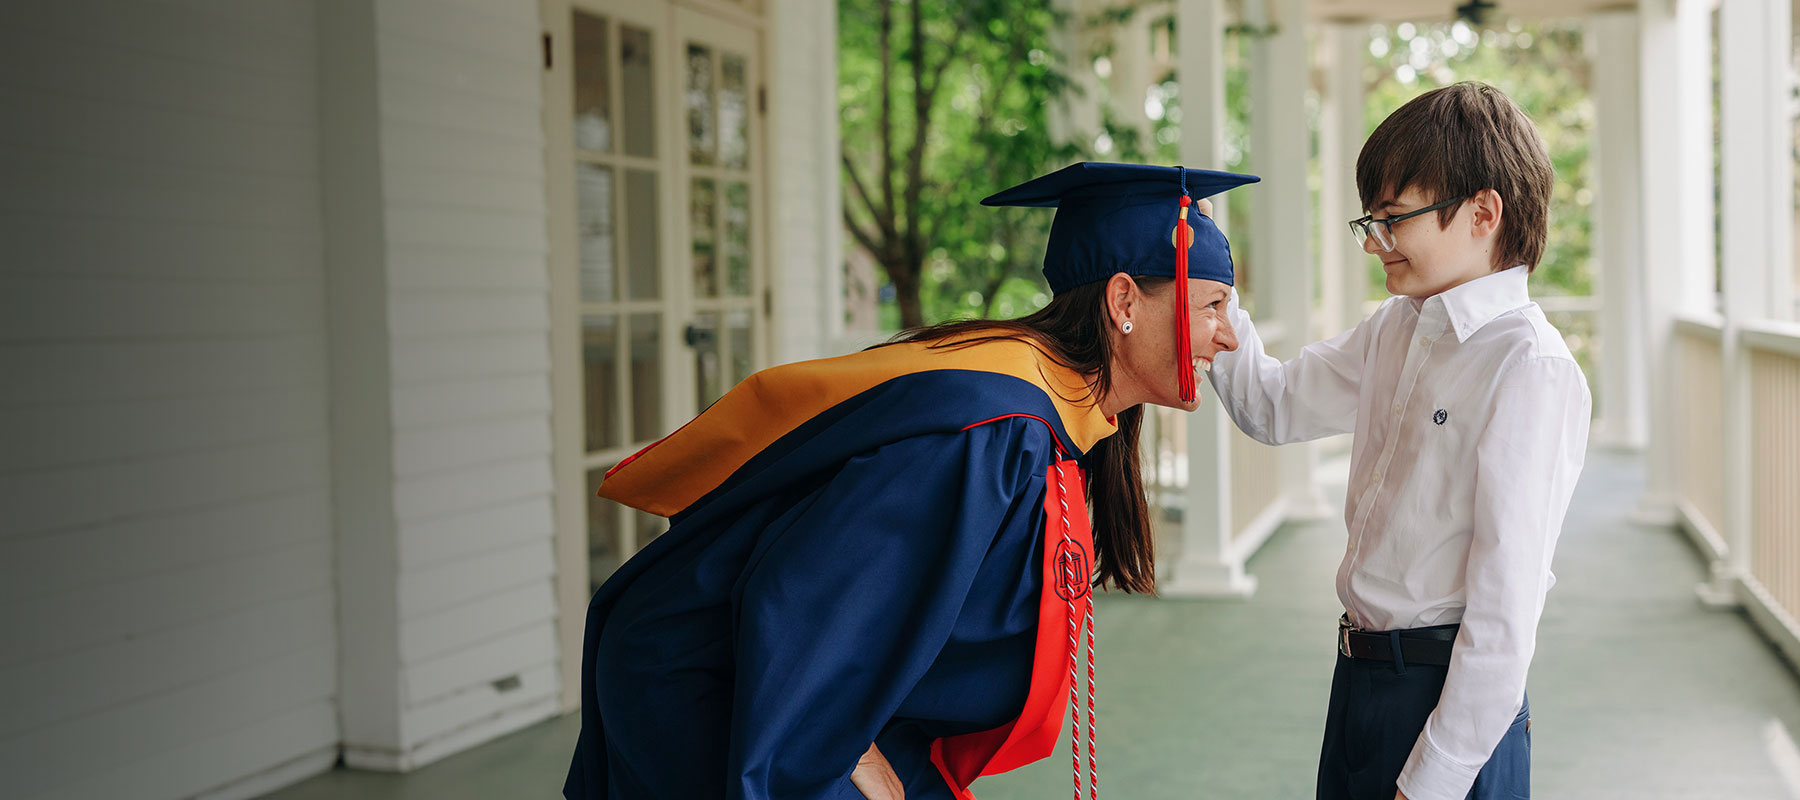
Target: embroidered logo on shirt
1440 416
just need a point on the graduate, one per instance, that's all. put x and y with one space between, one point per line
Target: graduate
1470 419
879 568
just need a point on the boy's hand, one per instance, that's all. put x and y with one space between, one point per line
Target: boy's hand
875 777
1399 795
1204 206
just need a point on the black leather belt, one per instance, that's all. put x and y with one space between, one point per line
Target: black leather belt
1417 645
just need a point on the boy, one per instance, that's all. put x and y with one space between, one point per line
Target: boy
1470 420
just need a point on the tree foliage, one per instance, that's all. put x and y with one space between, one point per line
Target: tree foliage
944 102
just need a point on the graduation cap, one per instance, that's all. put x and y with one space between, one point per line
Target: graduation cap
1131 218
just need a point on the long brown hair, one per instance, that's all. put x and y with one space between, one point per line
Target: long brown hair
1072 331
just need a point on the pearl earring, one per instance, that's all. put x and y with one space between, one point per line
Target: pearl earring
1126 327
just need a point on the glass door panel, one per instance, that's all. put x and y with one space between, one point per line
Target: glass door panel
703 221
723 117
638 84
602 384
594 218
662 141
620 90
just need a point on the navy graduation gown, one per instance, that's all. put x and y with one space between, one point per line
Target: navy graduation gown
870 567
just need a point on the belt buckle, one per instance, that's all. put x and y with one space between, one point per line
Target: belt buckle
1344 630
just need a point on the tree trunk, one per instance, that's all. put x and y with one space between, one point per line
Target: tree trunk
906 292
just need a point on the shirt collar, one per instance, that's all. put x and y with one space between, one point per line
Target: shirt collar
1476 303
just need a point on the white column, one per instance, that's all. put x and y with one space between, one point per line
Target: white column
806 237
441 441
1207 567
1675 234
1344 267
1756 137
1075 117
1624 387
1131 77
366 544
1280 147
1756 201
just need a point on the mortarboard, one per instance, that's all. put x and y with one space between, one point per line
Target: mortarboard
1113 218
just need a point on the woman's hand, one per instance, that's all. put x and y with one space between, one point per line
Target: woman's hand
875 777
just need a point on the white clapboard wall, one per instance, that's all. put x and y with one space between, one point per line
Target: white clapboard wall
166 596
170 602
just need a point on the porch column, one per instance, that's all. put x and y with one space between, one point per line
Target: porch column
1075 116
1207 567
1131 79
438 311
1280 148
1675 125
1344 267
1756 141
807 234
1624 389
1756 201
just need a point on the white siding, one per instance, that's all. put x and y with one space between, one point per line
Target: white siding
166 591
462 172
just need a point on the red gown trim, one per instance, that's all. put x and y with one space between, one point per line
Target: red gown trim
1031 737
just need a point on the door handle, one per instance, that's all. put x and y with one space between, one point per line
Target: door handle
698 335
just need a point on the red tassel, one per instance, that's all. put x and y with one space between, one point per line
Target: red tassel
1184 350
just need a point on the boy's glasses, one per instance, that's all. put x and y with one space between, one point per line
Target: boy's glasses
1383 229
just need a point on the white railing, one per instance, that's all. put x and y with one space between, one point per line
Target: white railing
1256 487
1700 440
1773 365
1164 460
1204 548
1749 525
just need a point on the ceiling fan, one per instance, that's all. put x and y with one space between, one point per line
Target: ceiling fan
1476 12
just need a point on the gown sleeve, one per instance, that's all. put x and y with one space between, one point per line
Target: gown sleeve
852 594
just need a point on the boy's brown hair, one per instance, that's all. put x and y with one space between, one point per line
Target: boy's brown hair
1455 141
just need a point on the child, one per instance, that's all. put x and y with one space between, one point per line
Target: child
1470 420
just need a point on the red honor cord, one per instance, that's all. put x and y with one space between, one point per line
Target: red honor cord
1184 349
1081 620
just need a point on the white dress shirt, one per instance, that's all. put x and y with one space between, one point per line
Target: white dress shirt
1471 422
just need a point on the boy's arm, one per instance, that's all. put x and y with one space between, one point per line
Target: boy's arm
1526 464
1311 396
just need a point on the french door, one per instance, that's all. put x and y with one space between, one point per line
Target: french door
655 175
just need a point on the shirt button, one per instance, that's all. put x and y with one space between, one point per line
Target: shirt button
1424 341
1396 409
1377 479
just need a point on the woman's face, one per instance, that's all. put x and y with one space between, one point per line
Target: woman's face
1144 368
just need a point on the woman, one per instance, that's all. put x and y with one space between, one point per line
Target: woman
878 566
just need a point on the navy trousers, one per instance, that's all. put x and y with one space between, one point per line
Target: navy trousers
1376 712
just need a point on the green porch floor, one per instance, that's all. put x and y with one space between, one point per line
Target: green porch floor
1637 691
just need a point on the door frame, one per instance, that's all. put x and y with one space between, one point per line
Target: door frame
570 459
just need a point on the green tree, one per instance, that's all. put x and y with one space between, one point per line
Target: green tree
943 102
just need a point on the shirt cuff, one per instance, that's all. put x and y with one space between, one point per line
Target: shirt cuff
1431 775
